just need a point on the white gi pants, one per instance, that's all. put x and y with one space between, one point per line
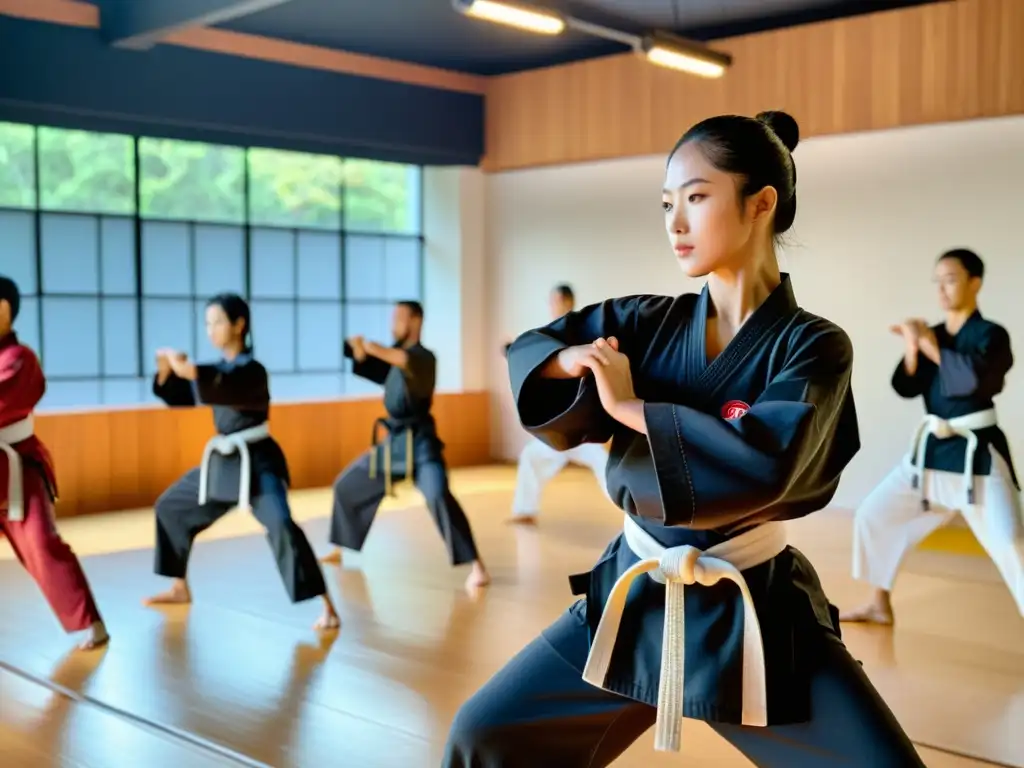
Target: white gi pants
539 462
890 522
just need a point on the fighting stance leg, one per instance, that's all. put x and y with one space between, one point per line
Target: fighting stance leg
357 496
594 457
432 479
538 712
179 519
850 724
887 525
997 522
53 565
300 571
538 463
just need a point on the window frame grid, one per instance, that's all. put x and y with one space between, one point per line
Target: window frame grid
138 220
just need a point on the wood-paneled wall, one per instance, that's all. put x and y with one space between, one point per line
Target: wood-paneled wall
124 459
955 60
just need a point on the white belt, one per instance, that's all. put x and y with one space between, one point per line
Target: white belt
225 445
679 567
944 429
9 437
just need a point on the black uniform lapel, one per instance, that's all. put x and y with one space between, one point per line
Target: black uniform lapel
696 341
966 339
779 305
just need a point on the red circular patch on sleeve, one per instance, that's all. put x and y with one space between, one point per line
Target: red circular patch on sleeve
734 409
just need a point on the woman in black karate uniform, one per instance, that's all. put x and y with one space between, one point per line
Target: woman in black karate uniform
729 411
242 463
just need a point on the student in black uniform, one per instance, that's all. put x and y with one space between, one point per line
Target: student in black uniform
959 458
410 447
242 466
729 411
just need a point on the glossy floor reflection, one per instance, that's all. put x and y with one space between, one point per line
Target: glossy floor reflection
243 670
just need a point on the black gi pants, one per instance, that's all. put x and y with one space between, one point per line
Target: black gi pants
180 518
538 712
357 497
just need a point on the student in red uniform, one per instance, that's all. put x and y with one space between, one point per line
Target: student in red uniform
28 485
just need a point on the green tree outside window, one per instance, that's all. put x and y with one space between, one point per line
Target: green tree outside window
17 166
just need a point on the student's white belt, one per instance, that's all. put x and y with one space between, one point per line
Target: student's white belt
10 436
677 568
225 445
943 429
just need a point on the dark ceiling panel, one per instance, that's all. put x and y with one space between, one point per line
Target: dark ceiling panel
229 99
694 14
431 32
420 31
140 25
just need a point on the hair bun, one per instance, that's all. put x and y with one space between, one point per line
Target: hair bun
784 126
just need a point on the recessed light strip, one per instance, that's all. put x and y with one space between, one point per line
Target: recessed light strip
513 15
660 48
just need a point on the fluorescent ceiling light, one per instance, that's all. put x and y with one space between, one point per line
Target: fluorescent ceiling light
513 15
674 53
660 48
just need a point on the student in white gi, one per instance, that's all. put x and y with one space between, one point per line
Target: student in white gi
539 463
959 458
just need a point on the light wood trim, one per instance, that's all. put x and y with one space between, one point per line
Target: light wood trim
68 12
124 459
79 14
928 64
313 57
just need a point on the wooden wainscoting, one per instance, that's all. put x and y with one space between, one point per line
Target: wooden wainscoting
124 458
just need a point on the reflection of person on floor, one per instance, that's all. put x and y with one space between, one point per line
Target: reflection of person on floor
959 460
411 447
539 462
28 485
242 465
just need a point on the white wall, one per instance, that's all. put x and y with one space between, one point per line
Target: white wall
454 276
874 211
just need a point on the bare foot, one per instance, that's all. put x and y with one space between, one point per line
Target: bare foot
329 618
872 613
522 520
327 622
478 577
332 558
97 637
178 594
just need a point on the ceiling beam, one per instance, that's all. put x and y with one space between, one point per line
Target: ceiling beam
141 24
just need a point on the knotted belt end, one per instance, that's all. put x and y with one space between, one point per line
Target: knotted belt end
679 567
943 429
226 445
386 446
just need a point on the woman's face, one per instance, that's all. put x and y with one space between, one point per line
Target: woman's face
708 225
220 329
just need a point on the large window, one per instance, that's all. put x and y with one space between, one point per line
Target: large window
117 242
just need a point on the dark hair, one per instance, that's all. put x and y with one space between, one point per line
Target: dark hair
758 149
414 307
565 291
9 292
236 308
968 259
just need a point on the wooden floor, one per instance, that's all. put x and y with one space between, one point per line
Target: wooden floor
240 678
